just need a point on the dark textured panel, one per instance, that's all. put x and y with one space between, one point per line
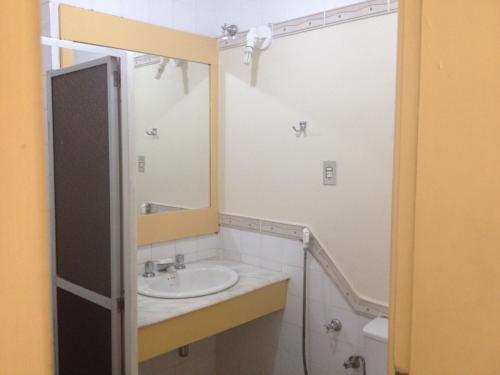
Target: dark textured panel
84 336
81 176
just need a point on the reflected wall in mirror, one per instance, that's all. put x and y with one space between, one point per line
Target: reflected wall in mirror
171 115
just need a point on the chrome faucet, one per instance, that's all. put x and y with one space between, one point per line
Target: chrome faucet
179 262
163 265
149 269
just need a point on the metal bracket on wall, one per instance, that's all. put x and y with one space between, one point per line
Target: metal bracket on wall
301 130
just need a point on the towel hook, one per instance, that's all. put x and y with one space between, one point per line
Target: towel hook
153 132
301 130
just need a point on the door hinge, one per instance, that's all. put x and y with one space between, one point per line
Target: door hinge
120 302
116 78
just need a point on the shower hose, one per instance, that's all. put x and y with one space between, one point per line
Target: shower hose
304 310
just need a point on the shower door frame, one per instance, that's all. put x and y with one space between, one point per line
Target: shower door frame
127 202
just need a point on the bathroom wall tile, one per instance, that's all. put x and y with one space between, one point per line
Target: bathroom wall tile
185 15
272 248
250 243
244 13
163 250
293 254
271 265
362 322
322 288
290 338
207 242
230 238
333 295
206 254
109 6
186 246
328 353
296 277
233 255
144 254
289 364
206 23
161 12
136 9
293 310
321 314
325 302
316 287
191 257
220 253
299 8
87 4
250 259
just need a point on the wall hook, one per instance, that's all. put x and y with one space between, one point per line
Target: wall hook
153 132
301 130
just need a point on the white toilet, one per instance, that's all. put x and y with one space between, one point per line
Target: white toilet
375 335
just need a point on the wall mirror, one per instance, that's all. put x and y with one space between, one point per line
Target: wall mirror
172 96
171 116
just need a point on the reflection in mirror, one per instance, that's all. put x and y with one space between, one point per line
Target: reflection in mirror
171 108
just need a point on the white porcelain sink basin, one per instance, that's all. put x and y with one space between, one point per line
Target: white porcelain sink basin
195 280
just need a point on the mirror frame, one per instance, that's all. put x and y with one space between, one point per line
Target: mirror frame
90 27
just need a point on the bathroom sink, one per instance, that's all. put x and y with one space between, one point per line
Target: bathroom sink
194 281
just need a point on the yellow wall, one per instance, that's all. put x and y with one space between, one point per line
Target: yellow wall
341 80
25 344
450 325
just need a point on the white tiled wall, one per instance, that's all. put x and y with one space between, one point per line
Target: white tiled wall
206 16
249 13
196 16
327 352
193 248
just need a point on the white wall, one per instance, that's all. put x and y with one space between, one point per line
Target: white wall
342 81
206 16
196 16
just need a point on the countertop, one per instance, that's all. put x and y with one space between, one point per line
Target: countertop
155 310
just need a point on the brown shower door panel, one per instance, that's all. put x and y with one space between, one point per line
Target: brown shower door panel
86 218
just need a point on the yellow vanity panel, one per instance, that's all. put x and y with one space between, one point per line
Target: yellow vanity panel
173 333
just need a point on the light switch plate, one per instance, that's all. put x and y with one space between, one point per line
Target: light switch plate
329 172
141 164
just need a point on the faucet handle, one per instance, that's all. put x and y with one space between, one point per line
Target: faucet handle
165 261
149 269
179 262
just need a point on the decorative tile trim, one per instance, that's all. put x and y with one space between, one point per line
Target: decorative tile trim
359 304
145 60
331 17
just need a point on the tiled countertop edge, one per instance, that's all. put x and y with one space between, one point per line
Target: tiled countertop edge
251 279
359 304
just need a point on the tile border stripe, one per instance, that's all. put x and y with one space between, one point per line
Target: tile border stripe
359 304
330 17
